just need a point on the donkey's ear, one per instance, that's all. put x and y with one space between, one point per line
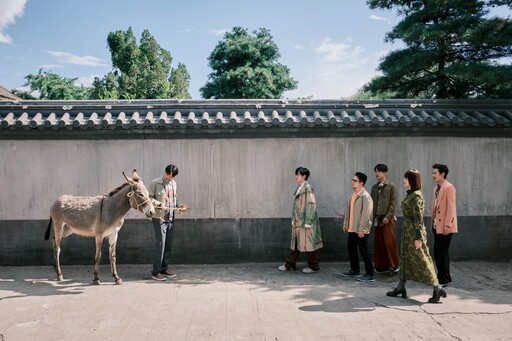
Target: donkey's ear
130 180
135 176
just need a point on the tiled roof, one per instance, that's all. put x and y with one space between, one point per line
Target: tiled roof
258 115
7 95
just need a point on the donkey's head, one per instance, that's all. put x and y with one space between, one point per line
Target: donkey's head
139 195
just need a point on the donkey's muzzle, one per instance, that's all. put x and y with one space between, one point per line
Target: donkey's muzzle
150 212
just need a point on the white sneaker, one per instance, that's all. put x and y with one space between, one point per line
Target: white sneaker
282 268
309 271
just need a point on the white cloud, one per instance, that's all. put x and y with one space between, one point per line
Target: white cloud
299 47
339 69
9 11
324 83
343 53
218 33
376 17
504 61
185 30
68 58
51 66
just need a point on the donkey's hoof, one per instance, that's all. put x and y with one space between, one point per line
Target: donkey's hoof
119 281
60 278
96 282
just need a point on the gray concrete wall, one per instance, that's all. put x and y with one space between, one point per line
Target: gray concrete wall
252 180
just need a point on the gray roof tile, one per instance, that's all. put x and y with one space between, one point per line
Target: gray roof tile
256 115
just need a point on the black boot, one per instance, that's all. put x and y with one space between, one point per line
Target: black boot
436 295
399 290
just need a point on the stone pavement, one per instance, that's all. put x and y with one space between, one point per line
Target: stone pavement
250 302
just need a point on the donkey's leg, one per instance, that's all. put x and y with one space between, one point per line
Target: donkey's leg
99 242
112 240
57 239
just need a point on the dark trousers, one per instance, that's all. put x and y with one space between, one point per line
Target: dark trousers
386 251
353 243
164 230
291 260
442 258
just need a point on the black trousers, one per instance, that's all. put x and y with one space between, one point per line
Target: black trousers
442 257
353 243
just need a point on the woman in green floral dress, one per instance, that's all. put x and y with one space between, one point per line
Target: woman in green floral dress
416 263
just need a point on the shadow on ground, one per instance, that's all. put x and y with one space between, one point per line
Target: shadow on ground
473 281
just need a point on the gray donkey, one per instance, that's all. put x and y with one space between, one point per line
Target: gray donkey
99 217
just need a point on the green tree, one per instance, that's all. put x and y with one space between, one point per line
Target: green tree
22 94
105 87
453 50
365 94
246 66
179 80
141 71
52 86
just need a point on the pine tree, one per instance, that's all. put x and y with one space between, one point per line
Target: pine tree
453 50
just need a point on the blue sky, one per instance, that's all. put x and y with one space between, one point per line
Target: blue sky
331 47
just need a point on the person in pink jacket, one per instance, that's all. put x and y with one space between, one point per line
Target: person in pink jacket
444 221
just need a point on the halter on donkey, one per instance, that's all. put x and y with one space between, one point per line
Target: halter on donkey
99 217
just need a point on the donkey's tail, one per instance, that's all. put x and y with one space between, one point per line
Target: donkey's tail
47 233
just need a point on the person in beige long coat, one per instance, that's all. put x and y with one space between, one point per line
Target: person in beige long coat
306 235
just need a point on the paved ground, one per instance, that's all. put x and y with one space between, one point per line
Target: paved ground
250 302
